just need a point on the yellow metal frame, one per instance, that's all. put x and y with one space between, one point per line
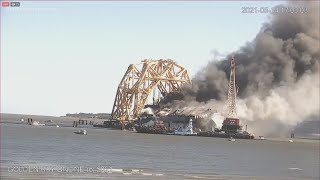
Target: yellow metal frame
139 81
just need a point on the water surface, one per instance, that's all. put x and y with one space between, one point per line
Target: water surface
155 156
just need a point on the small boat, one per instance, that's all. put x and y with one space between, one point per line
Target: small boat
290 140
231 139
36 123
57 126
22 120
261 138
81 131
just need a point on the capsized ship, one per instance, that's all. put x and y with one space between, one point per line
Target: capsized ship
198 120
157 127
174 123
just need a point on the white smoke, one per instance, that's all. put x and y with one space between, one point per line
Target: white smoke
286 105
277 74
217 118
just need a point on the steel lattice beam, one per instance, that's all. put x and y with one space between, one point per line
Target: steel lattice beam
139 81
232 93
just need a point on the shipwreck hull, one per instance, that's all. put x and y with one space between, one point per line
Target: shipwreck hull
149 130
226 135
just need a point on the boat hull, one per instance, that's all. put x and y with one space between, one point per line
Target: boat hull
226 135
148 130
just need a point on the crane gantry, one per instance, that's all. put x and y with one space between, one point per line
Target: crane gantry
232 92
140 80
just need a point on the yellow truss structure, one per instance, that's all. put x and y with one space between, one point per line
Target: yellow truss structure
140 80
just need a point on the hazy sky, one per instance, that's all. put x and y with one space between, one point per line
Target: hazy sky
67 57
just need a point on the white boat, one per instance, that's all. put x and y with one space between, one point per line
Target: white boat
188 131
22 120
36 123
290 140
232 139
261 138
81 131
57 126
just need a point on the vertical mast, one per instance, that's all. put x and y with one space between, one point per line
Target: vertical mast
232 93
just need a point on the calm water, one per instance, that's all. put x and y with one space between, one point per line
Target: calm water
157 156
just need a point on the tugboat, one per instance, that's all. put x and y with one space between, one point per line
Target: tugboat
188 131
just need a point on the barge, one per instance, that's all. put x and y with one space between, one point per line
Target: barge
226 135
230 129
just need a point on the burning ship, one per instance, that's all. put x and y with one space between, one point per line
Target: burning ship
177 122
203 123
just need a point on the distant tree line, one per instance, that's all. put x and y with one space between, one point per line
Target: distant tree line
90 115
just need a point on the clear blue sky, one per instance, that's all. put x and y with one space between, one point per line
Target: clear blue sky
67 57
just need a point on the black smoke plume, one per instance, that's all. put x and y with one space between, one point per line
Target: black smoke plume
277 74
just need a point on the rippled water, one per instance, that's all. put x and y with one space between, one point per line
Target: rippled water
154 156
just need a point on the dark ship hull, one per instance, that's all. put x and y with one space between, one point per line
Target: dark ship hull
226 135
151 130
